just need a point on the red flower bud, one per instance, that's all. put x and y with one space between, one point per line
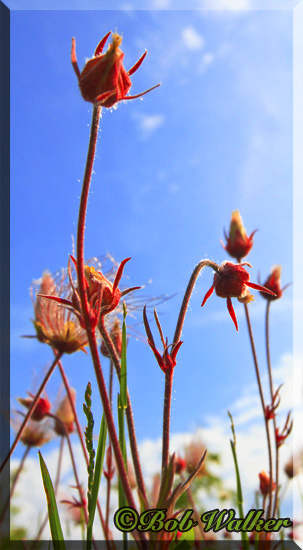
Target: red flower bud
41 409
273 283
238 243
265 487
231 281
103 80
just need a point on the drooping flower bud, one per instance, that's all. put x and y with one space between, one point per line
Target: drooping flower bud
238 243
231 281
41 409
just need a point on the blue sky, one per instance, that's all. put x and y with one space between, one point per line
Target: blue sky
215 137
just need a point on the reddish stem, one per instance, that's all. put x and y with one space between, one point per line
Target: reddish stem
253 349
274 418
129 412
91 336
72 404
188 293
31 409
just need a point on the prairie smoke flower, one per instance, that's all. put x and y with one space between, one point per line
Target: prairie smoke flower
41 409
231 281
104 80
64 414
273 283
167 361
55 325
238 244
35 434
102 295
265 487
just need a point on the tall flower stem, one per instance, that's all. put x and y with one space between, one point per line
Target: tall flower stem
90 330
80 434
253 349
129 412
15 480
188 293
271 386
31 409
177 337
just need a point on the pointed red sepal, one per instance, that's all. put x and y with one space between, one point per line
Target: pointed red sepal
74 59
127 290
142 93
56 299
252 234
119 274
158 356
207 295
137 65
106 95
260 287
99 48
232 312
175 350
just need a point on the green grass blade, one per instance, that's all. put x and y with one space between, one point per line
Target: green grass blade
53 516
122 442
123 374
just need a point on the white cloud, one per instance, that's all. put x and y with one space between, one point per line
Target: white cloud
148 123
251 451
192 39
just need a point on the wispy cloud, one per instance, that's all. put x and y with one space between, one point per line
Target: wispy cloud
192 39
148 124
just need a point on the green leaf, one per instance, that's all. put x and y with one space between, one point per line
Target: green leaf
53 516
97 478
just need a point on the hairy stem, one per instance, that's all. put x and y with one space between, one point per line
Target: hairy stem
253 349
129 412
188 293
271 386
31 409
90 330
80 434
